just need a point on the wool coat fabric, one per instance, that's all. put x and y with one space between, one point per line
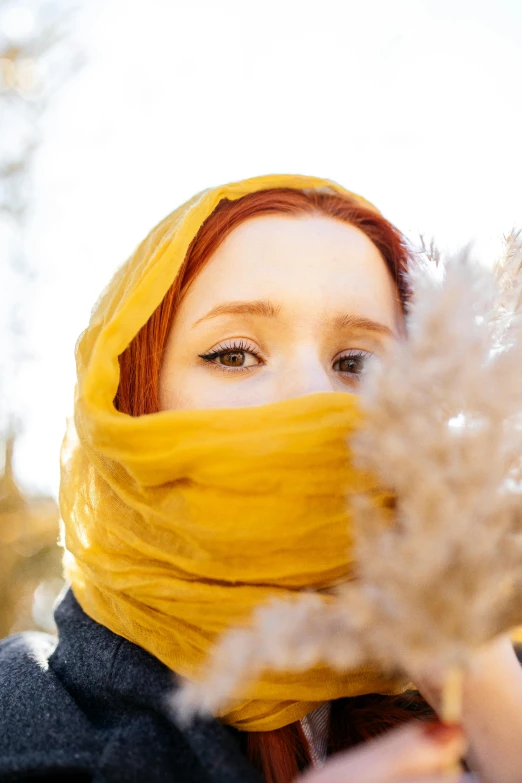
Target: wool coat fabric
93 707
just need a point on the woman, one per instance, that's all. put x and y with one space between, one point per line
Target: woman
208 472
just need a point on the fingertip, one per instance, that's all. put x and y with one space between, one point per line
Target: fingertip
442 733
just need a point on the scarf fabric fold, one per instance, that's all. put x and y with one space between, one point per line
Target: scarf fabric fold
179 523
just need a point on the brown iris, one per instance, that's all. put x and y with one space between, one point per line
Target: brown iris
232 358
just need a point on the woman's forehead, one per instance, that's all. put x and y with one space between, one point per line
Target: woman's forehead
312 261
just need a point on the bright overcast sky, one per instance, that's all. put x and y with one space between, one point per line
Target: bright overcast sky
416 105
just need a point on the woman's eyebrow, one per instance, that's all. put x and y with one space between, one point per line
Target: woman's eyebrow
359 323
266 309
261 307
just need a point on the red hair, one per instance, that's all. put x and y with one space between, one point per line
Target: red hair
281 753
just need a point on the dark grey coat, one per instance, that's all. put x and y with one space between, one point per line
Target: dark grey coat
93 708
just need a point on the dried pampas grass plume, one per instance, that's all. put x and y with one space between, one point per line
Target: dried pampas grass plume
300 633
443 430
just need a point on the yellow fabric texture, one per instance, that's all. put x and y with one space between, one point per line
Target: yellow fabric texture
177 524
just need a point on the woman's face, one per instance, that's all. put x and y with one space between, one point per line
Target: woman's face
286 306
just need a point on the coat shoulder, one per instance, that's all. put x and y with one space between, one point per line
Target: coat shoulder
41 726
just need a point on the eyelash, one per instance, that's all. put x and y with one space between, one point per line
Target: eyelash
241 346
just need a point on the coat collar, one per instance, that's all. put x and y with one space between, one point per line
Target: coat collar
108 676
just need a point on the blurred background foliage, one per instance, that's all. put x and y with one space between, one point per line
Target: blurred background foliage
37 56
30 559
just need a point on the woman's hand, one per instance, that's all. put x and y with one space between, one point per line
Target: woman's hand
415 753
491 710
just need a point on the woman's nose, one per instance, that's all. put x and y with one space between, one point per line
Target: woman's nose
305 377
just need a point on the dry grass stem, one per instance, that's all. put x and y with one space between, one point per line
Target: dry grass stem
451 700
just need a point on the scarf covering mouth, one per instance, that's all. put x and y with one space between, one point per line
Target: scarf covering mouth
178 524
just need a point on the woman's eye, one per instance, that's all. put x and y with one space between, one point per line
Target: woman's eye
238 356
352 363
235 359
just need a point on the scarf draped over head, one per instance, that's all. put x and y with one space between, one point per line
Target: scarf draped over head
178 524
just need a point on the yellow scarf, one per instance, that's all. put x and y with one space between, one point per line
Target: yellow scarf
179 523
